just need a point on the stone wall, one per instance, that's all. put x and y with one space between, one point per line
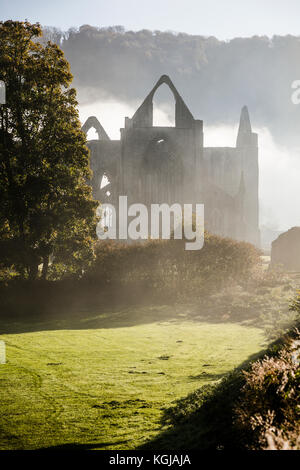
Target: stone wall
169 164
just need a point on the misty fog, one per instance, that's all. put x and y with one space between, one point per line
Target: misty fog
279 165
114 70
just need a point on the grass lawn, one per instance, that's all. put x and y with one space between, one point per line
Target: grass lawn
104 383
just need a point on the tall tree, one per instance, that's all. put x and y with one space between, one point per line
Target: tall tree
46 205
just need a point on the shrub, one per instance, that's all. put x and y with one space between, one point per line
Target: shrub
154 271
165 264
269 409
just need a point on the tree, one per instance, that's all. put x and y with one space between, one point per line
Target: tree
46 204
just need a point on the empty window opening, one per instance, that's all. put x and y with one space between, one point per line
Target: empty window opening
92 134
163 107
104 182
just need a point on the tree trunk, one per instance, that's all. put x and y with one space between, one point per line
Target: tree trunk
33 271
45 267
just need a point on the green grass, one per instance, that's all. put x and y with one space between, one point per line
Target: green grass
106 387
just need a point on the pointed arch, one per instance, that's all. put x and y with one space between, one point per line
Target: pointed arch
92 121
144 115
164 94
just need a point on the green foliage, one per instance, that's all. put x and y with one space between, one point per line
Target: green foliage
279 321
46 205
166 265
295 305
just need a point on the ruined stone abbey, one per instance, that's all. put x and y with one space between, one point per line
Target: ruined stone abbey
169 164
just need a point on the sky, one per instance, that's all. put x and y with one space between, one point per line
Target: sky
224 19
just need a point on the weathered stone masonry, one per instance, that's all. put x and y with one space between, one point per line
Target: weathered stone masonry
169 164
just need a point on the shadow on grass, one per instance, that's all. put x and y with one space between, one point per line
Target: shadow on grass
204 420
93 319
77 446
109 317
49 306
42 307
205 376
